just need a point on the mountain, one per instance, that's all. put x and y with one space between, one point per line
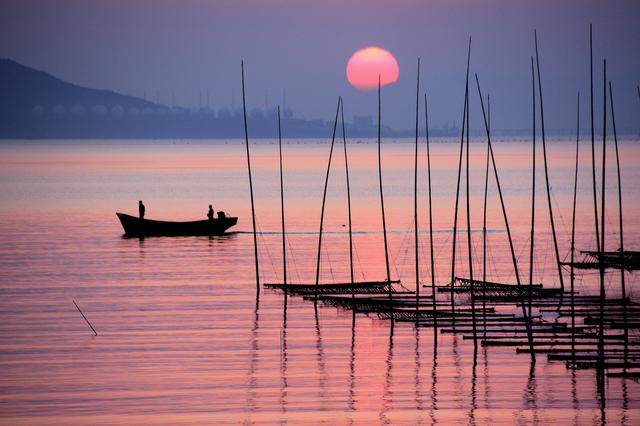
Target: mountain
37 105
25 88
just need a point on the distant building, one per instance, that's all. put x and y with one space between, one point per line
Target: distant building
362 121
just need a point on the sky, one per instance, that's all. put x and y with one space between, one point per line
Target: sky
178 50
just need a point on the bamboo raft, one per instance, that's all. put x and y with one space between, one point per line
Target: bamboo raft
361 287
626 260
488 289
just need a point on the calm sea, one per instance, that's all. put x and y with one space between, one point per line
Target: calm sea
183 338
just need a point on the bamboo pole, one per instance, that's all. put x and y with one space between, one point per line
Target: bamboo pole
484 221
415 193
433 270
85 318
253 210
284 245
455 214
593 144
384 222
469 244
622 277
346 167
602 229
573 230
324 195
533 184
546 170
526 318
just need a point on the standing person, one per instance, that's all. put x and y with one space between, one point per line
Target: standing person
141 209
210 212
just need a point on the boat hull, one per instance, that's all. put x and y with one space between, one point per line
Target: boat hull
136 227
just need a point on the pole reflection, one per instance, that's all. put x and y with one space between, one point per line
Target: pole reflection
434 384
417 371
283 358
253 357
531 394
352 363
322 369
387 392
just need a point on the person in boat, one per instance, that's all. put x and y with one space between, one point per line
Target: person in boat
221 215
141 209
210 212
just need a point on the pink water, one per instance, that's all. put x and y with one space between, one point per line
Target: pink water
183 338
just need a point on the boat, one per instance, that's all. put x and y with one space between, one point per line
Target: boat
136 227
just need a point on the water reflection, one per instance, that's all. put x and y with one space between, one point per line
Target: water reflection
601 395
625 401
322 369
253 358
459 379
574 395
474 403
434 384
417 370
485 372
184 333
387 390
283 357
352 363
531 394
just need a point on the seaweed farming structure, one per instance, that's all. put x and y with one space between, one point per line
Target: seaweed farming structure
590 331
352 287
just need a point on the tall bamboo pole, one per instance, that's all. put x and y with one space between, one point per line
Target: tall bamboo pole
469 245
455 214
346 167
593 143
433 269
253 210
324 196
622 278
284 243
546 170
533 185
484 223
506 222
602 231
415 196
384 222
573 235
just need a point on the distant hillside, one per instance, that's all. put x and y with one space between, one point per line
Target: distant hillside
36 105
25 88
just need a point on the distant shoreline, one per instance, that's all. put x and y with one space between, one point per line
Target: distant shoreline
309 140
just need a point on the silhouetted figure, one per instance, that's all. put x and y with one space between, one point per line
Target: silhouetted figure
141 209
221 215
210 212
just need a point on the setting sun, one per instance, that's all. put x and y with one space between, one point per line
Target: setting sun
367 64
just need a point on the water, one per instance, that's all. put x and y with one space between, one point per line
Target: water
183 338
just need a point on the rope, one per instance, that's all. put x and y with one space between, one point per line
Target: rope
293 261
360 268
265 248
326 255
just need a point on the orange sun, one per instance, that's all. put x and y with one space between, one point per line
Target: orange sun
367 64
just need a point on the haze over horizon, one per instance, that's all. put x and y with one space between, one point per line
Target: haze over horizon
154 49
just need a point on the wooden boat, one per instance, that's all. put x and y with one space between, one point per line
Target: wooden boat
136 227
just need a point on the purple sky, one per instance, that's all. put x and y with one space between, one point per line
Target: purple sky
190 46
